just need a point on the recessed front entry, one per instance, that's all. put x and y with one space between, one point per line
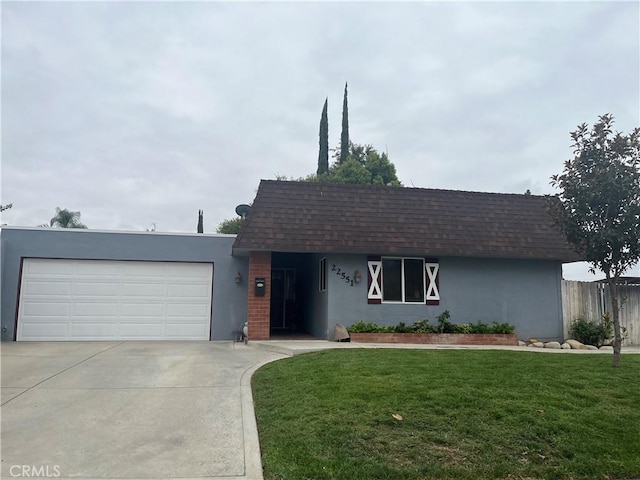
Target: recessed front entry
114 300
284 308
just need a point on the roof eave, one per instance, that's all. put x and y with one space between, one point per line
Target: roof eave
245 250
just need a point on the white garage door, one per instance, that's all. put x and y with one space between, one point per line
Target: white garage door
114 300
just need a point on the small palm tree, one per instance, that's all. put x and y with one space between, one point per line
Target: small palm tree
66 219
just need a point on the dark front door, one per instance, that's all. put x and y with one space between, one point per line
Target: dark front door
283 299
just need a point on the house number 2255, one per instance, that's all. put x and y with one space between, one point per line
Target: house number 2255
341 274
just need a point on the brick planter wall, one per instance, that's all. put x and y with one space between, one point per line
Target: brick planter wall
259 308
437 338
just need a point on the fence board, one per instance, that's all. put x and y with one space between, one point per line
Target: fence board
630 312
591 300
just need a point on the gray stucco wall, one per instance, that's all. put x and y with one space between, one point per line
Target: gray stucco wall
229 299
525 293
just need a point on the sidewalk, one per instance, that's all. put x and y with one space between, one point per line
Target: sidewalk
297 347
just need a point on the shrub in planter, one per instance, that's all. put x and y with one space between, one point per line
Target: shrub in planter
361 327
401 328
502 328
423 326
480 327
444 325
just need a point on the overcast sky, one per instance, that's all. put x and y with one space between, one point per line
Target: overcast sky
141 113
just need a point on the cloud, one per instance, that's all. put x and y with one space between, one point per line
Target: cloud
140 113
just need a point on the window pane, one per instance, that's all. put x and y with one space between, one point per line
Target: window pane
391 280
414 280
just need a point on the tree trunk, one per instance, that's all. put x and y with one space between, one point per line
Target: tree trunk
615 312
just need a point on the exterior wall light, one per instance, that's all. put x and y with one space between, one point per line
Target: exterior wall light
238 278
356 276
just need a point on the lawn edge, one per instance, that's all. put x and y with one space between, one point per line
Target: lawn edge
251 440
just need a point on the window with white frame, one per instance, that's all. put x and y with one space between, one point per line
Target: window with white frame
403 280
322 281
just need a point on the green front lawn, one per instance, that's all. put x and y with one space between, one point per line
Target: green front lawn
465 415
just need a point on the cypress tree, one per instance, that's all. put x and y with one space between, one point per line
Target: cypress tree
344 137
200 222
323 156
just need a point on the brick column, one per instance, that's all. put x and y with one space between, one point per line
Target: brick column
259 308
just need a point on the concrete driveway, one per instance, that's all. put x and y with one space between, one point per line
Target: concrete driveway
129 410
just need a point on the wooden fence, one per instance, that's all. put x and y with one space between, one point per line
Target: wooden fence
591 301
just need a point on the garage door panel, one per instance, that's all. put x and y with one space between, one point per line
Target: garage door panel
89 330
48 287
144 269
140 320
46 309
142 309
184 291
187 310
96 309
107 300
97 269
36 330
144 290
48 267
182 320
97 289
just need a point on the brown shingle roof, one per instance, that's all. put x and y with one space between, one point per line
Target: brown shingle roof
314 217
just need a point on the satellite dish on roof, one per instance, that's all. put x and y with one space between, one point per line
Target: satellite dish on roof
243 210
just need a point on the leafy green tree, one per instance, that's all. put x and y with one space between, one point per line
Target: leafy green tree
323 155
363 166
350 171
66 219
344 136
382 171
230 225
598 208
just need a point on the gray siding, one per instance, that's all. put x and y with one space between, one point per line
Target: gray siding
525 293
229 300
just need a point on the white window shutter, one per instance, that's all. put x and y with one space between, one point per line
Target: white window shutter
374 293
432 270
